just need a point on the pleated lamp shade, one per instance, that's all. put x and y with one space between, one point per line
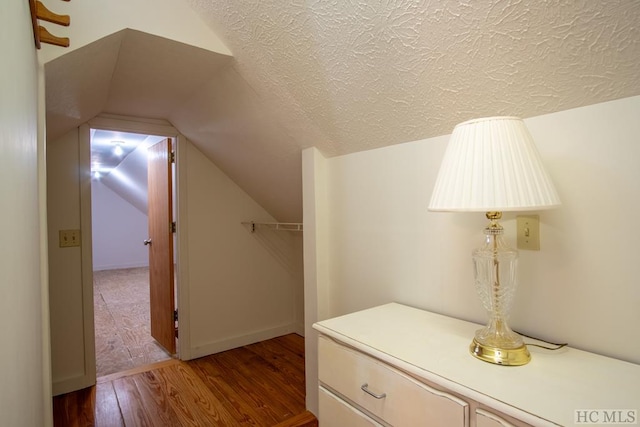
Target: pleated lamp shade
492 164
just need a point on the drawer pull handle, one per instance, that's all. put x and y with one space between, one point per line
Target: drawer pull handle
365 388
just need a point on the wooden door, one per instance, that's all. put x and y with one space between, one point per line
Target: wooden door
160 244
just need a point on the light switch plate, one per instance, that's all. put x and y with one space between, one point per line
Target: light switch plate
69 238
529 232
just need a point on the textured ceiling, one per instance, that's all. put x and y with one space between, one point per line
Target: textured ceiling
348 75
355 74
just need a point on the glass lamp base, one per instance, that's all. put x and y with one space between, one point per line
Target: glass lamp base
500 356
495 279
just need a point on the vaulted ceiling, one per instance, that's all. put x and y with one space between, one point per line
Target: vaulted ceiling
347 76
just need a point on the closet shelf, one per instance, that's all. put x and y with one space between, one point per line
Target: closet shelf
282 226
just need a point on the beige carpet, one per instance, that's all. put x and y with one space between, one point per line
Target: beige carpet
121 306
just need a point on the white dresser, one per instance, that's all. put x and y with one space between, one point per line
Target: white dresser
400 366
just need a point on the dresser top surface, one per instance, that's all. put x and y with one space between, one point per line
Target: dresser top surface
552 386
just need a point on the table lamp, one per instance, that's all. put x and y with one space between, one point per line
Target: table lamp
492 165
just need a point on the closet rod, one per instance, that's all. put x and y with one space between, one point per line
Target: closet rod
284 226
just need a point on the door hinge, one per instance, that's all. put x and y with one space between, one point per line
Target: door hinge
172 227
173 157
175 315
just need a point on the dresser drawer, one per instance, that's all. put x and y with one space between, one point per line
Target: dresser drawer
406 402
335 412
488 419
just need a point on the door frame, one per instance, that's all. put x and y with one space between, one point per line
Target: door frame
148 127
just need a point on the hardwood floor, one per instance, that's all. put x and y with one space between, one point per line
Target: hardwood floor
260 384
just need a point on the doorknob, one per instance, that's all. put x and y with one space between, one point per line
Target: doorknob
147 242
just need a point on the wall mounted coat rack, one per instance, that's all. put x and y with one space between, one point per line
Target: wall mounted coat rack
40 33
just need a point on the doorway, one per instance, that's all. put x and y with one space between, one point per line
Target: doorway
119 210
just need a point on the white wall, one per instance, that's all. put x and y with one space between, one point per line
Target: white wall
235 287
243 286
118 231
93 20
581 287
65 273
316 268
23 380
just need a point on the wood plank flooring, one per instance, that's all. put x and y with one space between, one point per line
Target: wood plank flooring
260 384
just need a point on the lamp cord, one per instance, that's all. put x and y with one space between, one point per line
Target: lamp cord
558 346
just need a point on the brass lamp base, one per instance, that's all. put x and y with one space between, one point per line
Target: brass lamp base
507 357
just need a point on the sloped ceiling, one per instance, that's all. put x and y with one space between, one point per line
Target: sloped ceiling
374 73
347 76
129 73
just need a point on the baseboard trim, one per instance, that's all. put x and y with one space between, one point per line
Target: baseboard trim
299 329
241 340
72 384
119 266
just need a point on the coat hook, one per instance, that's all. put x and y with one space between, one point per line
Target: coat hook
40 33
